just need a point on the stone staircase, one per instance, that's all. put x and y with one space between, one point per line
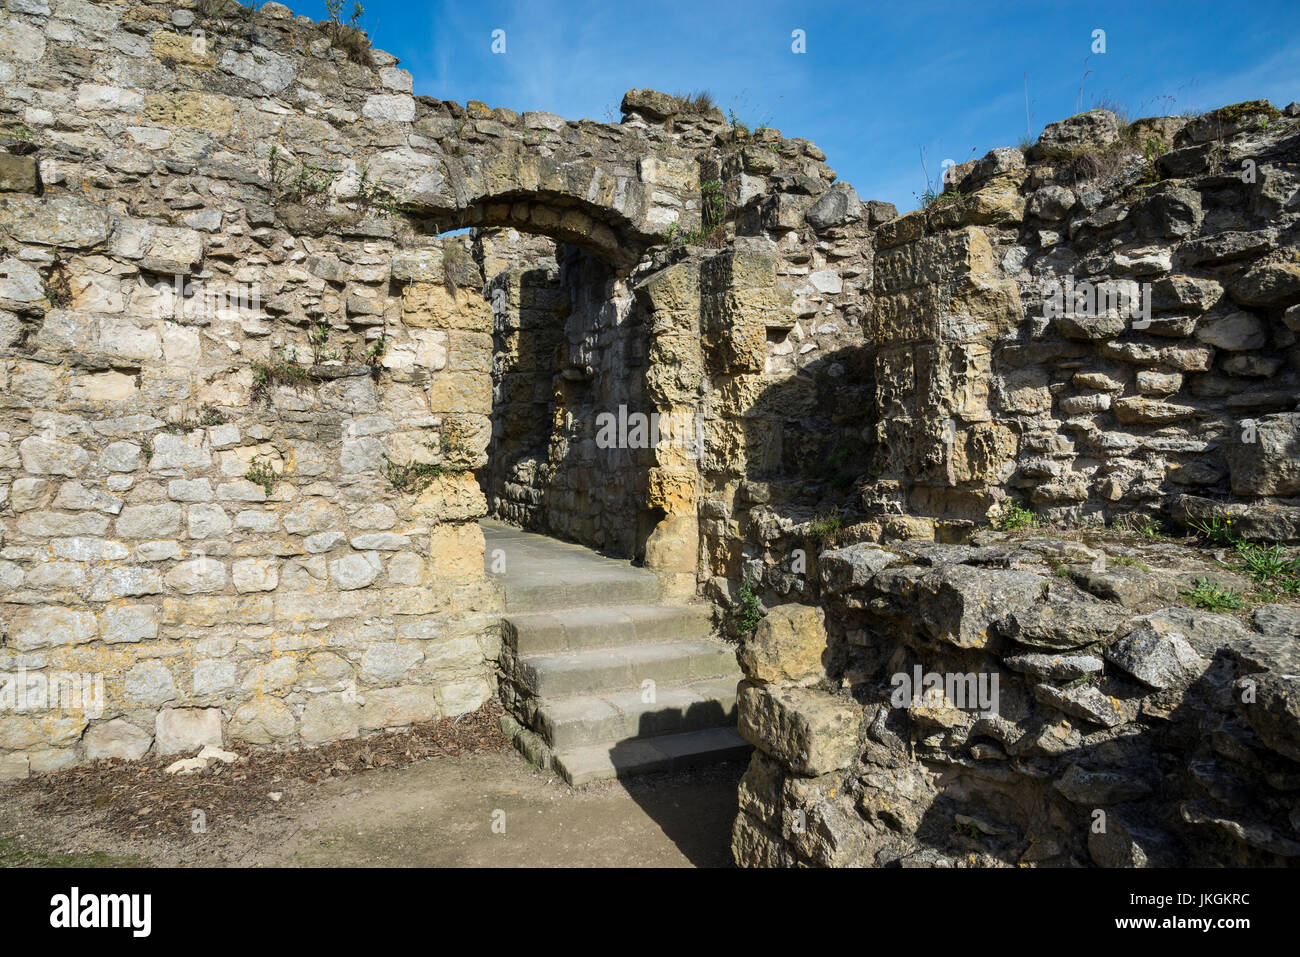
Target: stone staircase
602 677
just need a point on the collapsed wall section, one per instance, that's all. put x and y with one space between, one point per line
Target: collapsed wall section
1103 329
1021 701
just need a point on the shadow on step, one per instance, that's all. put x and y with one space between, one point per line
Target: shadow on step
686 782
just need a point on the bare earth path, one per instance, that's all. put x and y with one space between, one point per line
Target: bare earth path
436 813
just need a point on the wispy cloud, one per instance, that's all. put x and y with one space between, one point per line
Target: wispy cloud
878 81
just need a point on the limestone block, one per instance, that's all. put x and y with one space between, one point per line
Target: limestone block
49 456
264 720
329 717
450 497
179 48
128 623
788 645
187 729
206 111
398 707
810 732
45 626
1269 463
149 683
117 738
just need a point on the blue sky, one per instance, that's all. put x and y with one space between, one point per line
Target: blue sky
879 81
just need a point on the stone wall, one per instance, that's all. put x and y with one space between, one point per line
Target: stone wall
249 394
1127 727
990 396
1021 700
971 395
211 403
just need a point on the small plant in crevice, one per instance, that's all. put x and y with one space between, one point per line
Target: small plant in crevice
745 615
929 198
261 471
58 287
1015 517
374 354
697 102
712 231
676 236
210 415
1140 525
317 336
1210 596
940 194
1153 147
374 196
293 181
714 206
348 36
825 525
412 477
284 369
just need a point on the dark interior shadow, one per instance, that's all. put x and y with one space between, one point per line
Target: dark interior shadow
552 379
810 446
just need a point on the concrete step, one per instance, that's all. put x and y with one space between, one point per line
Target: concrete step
666 752
623 667
593 719
561 586
578 629
583 634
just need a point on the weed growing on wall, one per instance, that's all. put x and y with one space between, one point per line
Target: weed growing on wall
747 613
1015 517
284 369
262 472
348 36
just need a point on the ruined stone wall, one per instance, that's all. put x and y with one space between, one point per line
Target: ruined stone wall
1020 701
985 395
1126 726
980 397
210 501
248 396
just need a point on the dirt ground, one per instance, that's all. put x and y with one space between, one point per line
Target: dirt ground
471 810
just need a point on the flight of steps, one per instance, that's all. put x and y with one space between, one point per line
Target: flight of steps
584 636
